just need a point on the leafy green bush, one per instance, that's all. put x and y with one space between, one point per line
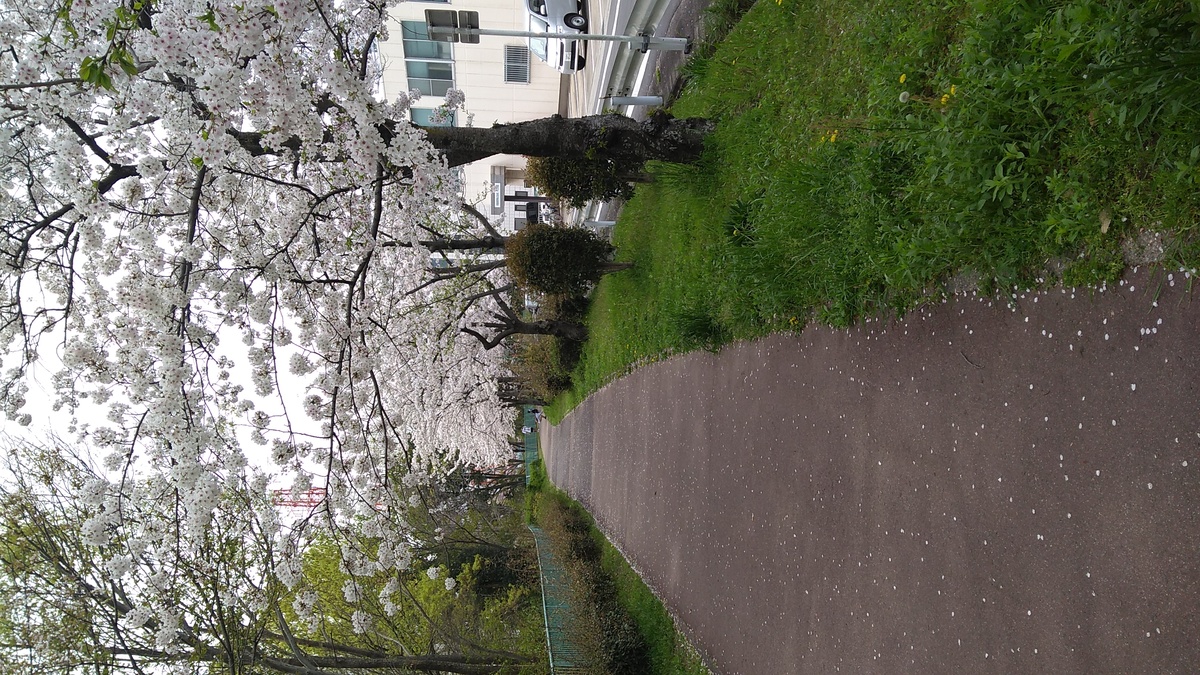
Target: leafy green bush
604 628
544 363
564 307
579 180
556 260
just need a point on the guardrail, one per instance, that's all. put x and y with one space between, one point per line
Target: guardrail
531 442
565 655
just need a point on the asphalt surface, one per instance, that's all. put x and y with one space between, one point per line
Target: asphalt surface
684 19
974 489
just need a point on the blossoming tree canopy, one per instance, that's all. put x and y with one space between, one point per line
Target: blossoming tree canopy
178 173
214 232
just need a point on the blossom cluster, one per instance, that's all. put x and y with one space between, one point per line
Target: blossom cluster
223 225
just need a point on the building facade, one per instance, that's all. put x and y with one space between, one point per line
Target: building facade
502 82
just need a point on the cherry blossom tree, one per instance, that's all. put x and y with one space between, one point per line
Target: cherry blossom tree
179 172
214 234
182 174
108 572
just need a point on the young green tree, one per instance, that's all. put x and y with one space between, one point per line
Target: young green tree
111 573
559 260
579 180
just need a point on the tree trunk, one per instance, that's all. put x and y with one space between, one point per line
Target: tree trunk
611 136
563 329
465 244
466 665
610 267
519 402
467 269
637 177
512 326
453 244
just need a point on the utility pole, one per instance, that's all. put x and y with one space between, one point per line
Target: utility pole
444 25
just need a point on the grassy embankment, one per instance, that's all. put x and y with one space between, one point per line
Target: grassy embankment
867 151
620 623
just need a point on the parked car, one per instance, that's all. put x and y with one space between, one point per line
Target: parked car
567 16
559 16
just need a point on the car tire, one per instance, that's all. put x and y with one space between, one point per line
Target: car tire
576 21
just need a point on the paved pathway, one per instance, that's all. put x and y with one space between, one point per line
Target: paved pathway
971 490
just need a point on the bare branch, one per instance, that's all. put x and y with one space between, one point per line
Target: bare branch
494 341
41 85
487 225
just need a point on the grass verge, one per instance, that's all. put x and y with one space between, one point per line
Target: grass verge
655 647
869 151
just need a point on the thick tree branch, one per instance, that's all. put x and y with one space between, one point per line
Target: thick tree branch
87 139
330 646
467 269
487 225
309 666
492 342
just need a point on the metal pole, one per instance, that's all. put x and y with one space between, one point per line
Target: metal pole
643 42
635 100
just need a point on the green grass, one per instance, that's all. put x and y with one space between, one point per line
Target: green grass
538 482
669 651
1031 135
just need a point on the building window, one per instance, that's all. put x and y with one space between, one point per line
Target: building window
516 63
428 117
429 64
431 79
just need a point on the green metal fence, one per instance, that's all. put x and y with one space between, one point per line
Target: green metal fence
565 655
531 441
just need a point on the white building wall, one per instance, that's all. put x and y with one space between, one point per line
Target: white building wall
479 73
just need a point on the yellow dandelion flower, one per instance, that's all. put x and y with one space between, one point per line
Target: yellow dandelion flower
833 136
953 90
903 77
945 99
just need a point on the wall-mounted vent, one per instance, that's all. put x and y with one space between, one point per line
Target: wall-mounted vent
516 63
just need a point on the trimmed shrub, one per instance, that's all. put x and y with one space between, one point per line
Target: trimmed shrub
564 307
580 180
556 260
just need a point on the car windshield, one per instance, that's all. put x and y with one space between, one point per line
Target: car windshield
537 6
539 46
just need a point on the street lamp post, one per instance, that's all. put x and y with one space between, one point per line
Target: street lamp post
446 25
